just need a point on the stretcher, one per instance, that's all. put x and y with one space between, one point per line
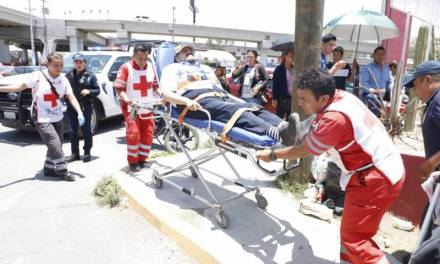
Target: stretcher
240 142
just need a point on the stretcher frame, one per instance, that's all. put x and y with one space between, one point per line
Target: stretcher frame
220 149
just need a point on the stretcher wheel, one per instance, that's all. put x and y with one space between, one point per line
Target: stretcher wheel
158 183
193 172
261 201
222 218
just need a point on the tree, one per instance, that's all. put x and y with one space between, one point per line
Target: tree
308 28
419 57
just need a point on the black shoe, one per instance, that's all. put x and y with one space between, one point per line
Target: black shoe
72 157
133 167
49 172
144 164
87 158
289 131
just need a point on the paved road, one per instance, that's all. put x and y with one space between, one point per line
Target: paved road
43 220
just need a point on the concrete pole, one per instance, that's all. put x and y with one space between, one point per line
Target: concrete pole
31 29
73 44
4 51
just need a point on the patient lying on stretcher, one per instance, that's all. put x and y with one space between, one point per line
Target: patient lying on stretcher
197 82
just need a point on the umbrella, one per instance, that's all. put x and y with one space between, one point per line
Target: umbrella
362 25
282 44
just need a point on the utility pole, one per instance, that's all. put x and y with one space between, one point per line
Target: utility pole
45 10
174 21
308 28
31 28
194 10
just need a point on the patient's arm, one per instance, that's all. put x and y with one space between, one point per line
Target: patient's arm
172 97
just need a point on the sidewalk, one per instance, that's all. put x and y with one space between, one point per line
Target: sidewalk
279 234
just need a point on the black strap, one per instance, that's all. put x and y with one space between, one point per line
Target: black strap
51 86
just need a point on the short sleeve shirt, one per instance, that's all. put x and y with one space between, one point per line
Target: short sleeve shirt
50 106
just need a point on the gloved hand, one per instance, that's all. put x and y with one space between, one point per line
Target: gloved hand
81 119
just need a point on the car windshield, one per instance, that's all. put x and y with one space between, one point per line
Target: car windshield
95 63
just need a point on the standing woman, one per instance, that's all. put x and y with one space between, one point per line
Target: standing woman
49 89
253 78
85 87
282 85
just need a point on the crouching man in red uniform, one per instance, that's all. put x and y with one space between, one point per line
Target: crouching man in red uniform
136 81
358 142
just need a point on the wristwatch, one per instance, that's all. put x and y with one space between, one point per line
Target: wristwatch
272 155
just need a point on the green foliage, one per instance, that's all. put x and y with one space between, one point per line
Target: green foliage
289 184
108 192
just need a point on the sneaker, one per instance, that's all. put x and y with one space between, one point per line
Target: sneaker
87 158
68 177
72 157
134 167
289 131
144 164
304 128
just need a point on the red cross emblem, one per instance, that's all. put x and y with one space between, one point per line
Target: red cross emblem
143 86
52 97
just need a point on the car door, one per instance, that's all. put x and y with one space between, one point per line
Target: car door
109 89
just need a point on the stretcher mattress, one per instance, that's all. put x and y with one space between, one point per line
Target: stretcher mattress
236 133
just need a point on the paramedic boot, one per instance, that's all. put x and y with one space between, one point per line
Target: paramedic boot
134 167
288 132
144 164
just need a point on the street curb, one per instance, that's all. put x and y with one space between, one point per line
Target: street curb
196 252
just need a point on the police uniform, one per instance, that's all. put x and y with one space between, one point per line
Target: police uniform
80 81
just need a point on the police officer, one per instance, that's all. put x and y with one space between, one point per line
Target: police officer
85 88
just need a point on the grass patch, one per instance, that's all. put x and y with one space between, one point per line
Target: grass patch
287 184
108 192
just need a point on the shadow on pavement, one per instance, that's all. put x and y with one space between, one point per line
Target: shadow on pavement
259 232
39 176
20 138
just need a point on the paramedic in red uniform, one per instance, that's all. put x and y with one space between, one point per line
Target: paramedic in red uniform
358 142
136 81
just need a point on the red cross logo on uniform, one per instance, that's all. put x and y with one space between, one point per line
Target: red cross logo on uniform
143 86
52 97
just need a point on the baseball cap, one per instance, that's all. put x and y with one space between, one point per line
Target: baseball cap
78 56
180 47
426 68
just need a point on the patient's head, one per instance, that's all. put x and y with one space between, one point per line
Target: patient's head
185 52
